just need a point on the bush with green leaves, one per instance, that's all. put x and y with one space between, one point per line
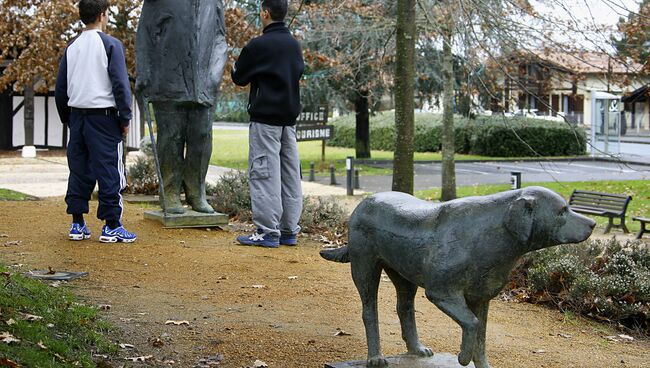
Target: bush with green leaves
324 215
142 177
231 195
606 280
495 136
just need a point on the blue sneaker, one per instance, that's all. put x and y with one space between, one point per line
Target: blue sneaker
78 232
288 239
119 234
259 239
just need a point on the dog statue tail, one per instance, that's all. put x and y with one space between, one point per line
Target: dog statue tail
340 255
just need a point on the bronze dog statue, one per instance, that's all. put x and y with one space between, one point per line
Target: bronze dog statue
461 252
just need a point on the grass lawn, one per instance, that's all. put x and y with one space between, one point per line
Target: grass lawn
52 329
230 149
10 195
638 189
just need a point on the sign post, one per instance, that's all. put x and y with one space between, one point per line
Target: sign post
311 125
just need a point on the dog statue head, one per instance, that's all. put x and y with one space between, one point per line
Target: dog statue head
540 218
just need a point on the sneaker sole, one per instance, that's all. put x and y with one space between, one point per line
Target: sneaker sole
78 237
114 239
259 244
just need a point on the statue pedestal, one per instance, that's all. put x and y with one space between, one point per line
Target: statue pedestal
438 360
188 219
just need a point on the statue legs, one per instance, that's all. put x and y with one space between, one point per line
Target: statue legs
197 157
184 149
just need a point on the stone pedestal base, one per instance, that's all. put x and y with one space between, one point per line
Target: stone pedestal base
438 360
188 219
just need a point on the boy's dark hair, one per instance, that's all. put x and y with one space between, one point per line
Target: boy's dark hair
277 9
89 10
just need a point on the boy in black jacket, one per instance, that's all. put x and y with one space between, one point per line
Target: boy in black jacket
273 65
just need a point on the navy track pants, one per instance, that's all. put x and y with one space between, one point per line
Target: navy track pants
95 153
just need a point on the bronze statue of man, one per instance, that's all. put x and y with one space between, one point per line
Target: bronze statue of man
180 56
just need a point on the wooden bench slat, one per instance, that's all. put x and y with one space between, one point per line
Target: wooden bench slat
616 201
586 192
585 210
599 205
598 200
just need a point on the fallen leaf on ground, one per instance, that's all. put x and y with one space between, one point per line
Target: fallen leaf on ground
126 346
4 362
30 317
340 332
41 345
626 337
11 243
140 358
157 343
8 338
260 364
11 322
619 338
566 336
177 323
50 271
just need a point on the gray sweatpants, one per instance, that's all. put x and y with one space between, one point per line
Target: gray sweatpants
274 173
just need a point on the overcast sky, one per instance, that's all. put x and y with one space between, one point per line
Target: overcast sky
602 11
585 14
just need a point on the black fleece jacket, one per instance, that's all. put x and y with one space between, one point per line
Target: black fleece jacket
272 63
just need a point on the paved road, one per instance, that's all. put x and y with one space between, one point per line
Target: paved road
472 173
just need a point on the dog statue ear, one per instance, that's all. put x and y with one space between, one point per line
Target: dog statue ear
519 218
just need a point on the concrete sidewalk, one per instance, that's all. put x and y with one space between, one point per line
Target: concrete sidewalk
48 177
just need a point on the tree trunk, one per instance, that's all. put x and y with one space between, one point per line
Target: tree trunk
362 145
404 96
29 115
448 147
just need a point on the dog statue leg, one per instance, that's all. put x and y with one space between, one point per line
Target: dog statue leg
366 278
481 311
454 306
406 311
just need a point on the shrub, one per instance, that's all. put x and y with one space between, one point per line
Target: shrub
323 215
606 280
142 177
487 135
231 195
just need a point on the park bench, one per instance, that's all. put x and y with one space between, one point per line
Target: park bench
601 204
643 221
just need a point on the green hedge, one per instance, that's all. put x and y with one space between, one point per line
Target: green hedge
495 136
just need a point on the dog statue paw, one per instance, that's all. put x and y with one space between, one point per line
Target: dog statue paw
377 362
421 350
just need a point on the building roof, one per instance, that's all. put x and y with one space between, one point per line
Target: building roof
639 95
589 62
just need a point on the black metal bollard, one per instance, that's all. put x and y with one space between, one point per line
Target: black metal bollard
332 175
349 170
356 179
312 174
515 179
